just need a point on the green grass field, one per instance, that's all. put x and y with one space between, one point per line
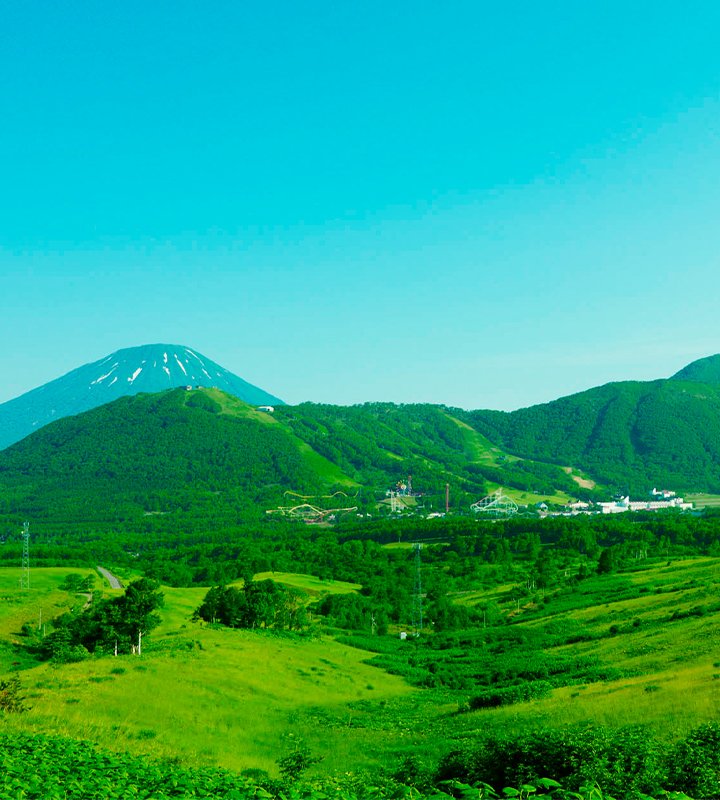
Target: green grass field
240 699
204 694
704 500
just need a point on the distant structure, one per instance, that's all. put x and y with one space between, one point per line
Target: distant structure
401 496
308 511
626 504
25 568
401 488
394 505
267 409
496 504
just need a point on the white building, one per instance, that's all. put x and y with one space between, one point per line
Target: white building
626 504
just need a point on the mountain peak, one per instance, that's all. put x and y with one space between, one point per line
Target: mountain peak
147 368
704 370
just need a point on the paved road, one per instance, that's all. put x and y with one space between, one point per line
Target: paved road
110 578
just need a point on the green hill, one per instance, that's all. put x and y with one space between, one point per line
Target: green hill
199 452
704 370
206 455
629 436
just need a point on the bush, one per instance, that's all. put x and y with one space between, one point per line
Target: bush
695 762
623 762
12 701
296 762
522 693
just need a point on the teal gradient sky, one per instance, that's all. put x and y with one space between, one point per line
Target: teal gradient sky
484 205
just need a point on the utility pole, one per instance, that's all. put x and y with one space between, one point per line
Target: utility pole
25 568
417 610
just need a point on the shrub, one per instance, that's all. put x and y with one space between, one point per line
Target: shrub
695 762
623 762
521 693
12 701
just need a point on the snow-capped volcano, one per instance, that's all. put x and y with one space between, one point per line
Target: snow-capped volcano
148 368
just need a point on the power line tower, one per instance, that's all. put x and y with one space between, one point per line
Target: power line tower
25 569
417 609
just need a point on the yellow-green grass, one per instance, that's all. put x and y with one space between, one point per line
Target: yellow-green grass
494 595
478 448
481 450
309 583
44 595
670 702
235 407
664 640
703 500
529 498
207 695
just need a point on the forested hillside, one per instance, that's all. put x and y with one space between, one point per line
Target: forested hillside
629 436
154 453
377 443
159 461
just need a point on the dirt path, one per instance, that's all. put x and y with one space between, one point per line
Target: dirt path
110 578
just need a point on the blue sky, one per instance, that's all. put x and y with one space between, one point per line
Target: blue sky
484 205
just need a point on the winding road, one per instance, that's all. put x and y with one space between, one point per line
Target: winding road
110 578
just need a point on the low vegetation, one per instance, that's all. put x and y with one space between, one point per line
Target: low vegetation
293 667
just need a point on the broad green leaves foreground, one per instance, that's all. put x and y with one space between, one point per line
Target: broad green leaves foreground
45 768
50 768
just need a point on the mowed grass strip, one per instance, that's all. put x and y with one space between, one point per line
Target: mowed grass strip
309 583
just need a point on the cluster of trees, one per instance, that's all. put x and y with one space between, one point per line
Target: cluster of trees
114 625
258 604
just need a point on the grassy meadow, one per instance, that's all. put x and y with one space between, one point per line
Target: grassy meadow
207 695
200 693
658 625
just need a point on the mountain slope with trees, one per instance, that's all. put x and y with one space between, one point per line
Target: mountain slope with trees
629 435
206 455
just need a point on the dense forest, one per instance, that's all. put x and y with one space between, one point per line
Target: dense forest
626 435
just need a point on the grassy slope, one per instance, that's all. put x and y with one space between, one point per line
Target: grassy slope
480 450
240 699
679 657
235 407
205 695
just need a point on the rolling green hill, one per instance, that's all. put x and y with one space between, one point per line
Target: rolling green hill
704 370
629 436
176 451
